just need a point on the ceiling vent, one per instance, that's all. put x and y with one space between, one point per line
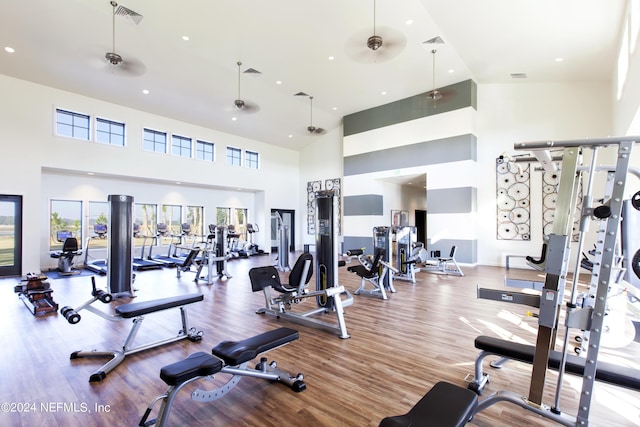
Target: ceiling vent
518 75
435 40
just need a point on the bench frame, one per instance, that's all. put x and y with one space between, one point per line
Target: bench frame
117 356
264 370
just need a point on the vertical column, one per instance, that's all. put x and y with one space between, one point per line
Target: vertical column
120 261
326 244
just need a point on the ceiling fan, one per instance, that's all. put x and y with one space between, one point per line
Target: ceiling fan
311 128
116 62
239 103
436 94
376 48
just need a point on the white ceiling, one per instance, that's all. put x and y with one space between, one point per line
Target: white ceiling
62 44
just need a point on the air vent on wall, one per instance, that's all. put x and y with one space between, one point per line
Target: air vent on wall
518 75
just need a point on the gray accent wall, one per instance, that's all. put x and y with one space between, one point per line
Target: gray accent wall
455 96
356 242
445 150
452 200
365 204
466 250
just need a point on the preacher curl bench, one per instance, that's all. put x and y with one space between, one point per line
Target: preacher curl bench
228 357
135 311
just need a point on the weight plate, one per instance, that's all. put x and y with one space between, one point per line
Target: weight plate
552 178
507 231
522 177
519 215
519 191
549 200
502 168
506 203
548 189
524 203
503 216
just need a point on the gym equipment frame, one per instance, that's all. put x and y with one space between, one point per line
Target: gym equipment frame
228 357
135 311
590 316
267 280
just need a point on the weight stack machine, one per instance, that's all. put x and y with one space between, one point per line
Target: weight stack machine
120 268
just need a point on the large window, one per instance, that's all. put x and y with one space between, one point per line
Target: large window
251 159
73 125
110 132
234 156
195 217
171 216
144 219
65 220
180 146
205 151
155 141
98 219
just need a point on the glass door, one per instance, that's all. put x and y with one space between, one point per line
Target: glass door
10 235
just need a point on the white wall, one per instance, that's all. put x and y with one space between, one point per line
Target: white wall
512 113
29 144
320 161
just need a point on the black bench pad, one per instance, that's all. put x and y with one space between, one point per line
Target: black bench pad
445 405
237 352
198 364
607 372
144 307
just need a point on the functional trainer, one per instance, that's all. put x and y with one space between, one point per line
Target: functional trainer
228 357
135 311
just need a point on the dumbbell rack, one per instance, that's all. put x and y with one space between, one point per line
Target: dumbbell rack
36 294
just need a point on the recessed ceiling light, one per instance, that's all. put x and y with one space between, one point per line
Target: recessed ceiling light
234 118
409 21
9 49
290 136
383 93
331 58
278 82
451 71
145 91
335 108
185 38
90 173
559 59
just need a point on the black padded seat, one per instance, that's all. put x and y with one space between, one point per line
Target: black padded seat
368 273
145 307
262 277
235 353
445 405
198 364
614 374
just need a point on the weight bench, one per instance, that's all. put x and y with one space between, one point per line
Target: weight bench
606 372
228 357
445 405
135 311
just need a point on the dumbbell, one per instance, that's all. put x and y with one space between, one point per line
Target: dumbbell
70 314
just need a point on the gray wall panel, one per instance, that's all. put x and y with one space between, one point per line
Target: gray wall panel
456 96
355 242
445 150
366 204
466 250
452 200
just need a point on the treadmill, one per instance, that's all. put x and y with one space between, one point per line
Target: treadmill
98 266
167 261
141 263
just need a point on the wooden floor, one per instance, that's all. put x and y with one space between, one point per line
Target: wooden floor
398 350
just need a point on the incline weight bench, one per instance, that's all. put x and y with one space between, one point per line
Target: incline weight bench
228 357
135 311
606 372
445 405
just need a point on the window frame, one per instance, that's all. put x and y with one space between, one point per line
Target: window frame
73 114
200 142
181 147
154 132
231 159
110 133
249 162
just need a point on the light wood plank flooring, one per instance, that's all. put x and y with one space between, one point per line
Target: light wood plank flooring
398 350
